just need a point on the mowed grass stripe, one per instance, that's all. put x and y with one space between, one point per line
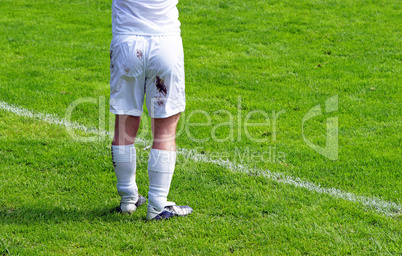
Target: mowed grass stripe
64 206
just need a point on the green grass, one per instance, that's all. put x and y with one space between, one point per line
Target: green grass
57 194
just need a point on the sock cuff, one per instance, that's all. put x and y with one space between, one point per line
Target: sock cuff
162 160
123 153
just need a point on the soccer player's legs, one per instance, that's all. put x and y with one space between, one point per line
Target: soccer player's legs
126 100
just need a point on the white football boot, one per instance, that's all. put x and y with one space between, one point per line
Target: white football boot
169 211
128 208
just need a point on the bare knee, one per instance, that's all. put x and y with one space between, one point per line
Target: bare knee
164 132
125 130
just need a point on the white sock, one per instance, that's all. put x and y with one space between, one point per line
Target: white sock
124 162
160 171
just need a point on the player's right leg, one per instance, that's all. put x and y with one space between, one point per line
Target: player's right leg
165 101
161 167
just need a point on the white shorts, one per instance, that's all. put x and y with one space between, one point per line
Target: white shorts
151 66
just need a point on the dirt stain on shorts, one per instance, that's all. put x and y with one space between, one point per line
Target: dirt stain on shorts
160 102
111 62
139 53
160 85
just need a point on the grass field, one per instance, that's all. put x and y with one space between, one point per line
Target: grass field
254 70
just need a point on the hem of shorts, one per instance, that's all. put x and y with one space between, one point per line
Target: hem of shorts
128 113
140 34
167 115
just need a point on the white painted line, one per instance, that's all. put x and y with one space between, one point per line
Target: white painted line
386 207
48 118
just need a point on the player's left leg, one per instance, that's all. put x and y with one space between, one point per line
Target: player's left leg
125 129
126 101
124 161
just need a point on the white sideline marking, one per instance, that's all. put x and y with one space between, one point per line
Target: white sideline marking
386 207
48 118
